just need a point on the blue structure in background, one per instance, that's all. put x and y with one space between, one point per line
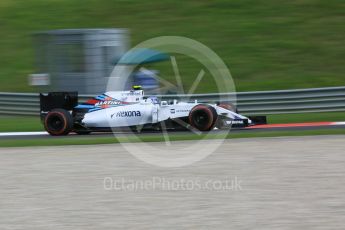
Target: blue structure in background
142 56
146 80
139 57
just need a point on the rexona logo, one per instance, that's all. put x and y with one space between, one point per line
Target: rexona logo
127 114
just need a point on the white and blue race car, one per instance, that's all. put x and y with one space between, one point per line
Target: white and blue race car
61 113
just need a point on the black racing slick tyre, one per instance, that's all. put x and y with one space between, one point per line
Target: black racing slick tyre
203 117
58 122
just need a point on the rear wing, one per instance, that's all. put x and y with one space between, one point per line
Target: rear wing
55 100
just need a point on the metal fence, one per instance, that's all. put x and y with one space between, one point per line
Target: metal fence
261 102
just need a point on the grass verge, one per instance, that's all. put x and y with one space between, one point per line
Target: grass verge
59 141
267 45
20 124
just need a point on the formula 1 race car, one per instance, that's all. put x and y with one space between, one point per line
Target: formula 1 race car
61 113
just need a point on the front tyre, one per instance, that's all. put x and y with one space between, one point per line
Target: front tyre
58 122
203 117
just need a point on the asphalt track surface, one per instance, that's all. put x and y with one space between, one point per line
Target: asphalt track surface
282 183
264 128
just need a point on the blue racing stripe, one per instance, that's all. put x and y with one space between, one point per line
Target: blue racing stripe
85 106
95 109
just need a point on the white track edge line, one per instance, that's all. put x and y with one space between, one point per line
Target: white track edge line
22 133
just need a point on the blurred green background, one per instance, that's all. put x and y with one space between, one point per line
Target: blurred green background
267 44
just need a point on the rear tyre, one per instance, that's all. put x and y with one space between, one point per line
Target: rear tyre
203 117
58 122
